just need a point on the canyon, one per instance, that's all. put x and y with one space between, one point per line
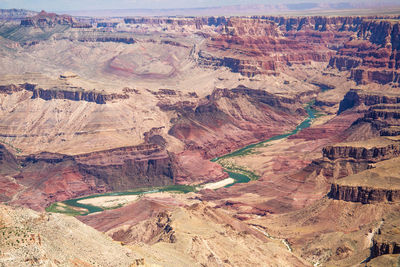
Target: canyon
301 112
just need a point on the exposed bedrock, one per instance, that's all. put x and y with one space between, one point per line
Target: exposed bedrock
386 239
356 97
365 195
69 93
10 89
49 177
8 162
79 95
381 113
114 39
379 249
379 183
374 55
346 159
268 45
373 154
44 19
229 119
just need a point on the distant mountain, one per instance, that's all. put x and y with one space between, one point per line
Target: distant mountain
16 14
257 9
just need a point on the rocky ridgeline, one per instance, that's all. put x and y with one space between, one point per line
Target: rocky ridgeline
357 97
115 38
116 169
374 154
266 47
381 110
199 23
373 54
44 19
69 93
10 89
378 182
248 68
199 125
79 95
16 14
364 194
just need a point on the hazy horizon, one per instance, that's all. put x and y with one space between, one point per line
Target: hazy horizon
74 5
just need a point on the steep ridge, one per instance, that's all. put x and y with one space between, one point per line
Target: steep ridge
64 92
380 113
258 46
48 177
44 19
379 184
373 55
252 114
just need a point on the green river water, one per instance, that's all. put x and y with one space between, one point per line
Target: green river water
238 177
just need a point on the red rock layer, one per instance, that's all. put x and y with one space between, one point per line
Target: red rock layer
258 46
373 56
214 128
49 177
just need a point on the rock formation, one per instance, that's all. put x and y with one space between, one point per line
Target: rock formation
372 56
49 177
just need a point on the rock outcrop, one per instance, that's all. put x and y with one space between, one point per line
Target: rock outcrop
69 93
373 55
357 97
44 19
386 239
50 177
78 94
364 194
373 154
254 114
379 183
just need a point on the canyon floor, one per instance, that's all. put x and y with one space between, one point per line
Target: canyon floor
199 141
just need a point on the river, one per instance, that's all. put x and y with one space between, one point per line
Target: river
236 176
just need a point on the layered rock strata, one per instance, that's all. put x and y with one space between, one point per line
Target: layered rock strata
380 183
49 177
373 55
69 93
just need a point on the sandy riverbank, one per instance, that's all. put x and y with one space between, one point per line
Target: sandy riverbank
109 201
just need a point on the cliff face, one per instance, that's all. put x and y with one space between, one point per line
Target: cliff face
81 95
50 177
363 194
115 39
129 167
9 89
199 23
379 248
244 115
44 19
75 94
355 98
371 154
381 111
373 56
261 46
8 163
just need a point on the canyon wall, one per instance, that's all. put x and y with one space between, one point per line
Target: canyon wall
364 194
50 177
373 54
